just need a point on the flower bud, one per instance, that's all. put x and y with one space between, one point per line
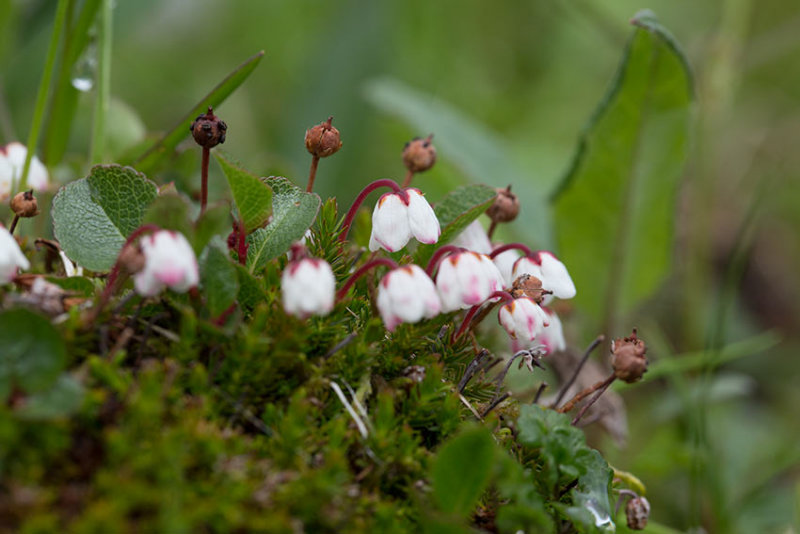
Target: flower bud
208 130
419 155
628 358
637 511
505 207
407 295
323 139
24 204
308 287
132 259
169 262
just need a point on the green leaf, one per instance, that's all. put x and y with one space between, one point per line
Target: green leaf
216 220
462 470
61 400
252 196
616 206
33 354
468 144
294 213
219 279
455 211
251 291
93 216
170 211
591 510
164 146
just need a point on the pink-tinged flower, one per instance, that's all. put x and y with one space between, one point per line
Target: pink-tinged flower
308 287
505 264
407 295
466 279
11 257
169 262
547 268
474 238
552 335
397 217
522 318
12 161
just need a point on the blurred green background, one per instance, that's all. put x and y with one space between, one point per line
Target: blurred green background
716 445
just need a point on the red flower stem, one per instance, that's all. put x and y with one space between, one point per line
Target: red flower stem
204 180
511 246
409 177
351 214
312 174
361 271
241 243
492 228
13 225
435 260
465 324
105 296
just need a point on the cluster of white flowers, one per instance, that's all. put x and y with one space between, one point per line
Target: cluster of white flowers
12 162
11 257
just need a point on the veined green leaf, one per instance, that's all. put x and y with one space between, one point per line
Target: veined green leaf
615 207
252 196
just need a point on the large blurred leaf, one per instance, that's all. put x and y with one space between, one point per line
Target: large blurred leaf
32 354
462 470
469 145
252 196
219 279
164 146
294 213
455 211
93 216
62 399
616 205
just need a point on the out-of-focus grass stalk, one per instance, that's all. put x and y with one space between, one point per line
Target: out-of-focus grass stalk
97 147
44 88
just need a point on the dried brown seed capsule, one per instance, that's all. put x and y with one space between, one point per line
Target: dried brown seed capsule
637 512
528 286
505 207
24 204
419 155
628 358
323 139
208 130
131 259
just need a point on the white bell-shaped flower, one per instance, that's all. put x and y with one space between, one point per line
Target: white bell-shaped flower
308 287
505 264
11 257
474 238
169 262
396 218
549 269
522 318
12 161
466 279
407 295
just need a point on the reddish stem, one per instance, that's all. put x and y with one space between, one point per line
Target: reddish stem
13 225
437 257
465 324
241 244
409 177
351 214
511 246
361 271
204 180
312 173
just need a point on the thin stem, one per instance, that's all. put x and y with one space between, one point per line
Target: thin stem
496 403
363 270
98 144
438 255
465 323
470 370
591 401
241 243
511 246
44 87
585 393
408 178
312 173
351 214
599 339
204 179
539 392
622 494
492 228
13 224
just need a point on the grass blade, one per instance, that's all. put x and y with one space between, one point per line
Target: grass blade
150 158
97 147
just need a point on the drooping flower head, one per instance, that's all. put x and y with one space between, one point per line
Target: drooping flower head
400 215
549 269
407 295
522 318
308 287
11 257
12 161
466 279
169 262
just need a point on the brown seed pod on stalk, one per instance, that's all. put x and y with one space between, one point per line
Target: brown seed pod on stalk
628 358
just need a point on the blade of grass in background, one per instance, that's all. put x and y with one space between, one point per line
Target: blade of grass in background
65 98
471 146
44 88
161 148
97 147
615 208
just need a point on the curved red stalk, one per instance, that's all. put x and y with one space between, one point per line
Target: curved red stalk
351 213
361 271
